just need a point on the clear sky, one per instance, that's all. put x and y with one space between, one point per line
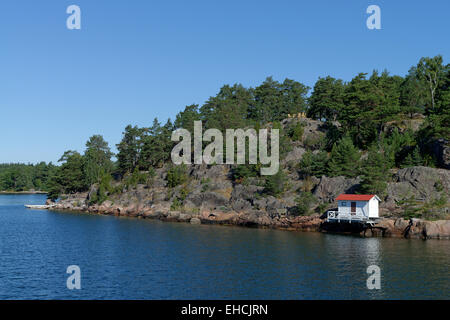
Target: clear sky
135 60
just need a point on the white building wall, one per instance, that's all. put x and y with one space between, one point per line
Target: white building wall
362 207
373 208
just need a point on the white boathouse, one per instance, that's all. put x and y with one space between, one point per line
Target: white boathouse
355 207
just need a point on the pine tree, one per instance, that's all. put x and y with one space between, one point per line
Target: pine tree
344 159
375 172
275 183
97 159
416 157
408 161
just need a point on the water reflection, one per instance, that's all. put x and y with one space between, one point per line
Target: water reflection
126 258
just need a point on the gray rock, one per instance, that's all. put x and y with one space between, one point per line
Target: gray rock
329 188
295 155
419 183
248 192
195 221
241 205
260 204
208 200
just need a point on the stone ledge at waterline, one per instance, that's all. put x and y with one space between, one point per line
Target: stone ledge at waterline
209 196
387 227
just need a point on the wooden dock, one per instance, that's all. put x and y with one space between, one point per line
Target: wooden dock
39 207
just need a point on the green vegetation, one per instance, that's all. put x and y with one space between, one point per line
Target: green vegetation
275 184
434 209
305 203
177 175
361 134
314 164
344 159
375 172
78 172
295 132
25 177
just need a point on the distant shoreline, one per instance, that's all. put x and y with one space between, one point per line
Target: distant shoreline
23 192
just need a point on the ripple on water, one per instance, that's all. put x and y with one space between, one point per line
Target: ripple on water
125 258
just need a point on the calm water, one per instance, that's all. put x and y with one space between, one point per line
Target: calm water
126 258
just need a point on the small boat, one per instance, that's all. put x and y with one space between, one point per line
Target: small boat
41 207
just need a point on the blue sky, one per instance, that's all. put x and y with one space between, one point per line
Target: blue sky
135 60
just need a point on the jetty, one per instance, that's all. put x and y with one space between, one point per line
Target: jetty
40 207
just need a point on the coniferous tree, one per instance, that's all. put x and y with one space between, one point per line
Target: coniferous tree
314 164
416 157
375 172
97 159
185 119
327 99
274 184
344 158
130 149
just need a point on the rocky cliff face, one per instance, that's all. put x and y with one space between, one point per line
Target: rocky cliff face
211 198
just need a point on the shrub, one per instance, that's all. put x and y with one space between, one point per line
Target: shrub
242 172
274 185
314 164
305 202
177 175
295 131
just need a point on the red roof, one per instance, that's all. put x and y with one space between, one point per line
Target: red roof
355 197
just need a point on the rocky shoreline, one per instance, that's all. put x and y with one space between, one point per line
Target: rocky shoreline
386 227
213 194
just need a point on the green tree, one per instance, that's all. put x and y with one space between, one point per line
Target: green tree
295 131
130 149
305 202
327 99
375 172
344 159
413 94
416 157
97 159
69 177
228 109
314 164
185 119
432 72
157 145
357 116
275 184
177 175
273 101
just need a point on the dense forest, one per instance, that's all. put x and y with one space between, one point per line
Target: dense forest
25 177
363 118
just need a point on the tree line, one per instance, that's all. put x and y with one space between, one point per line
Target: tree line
25 177
356 114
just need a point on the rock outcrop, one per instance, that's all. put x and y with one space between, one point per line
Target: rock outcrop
209 195
421 183
329 188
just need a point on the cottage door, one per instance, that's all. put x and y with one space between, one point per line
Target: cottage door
353 208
